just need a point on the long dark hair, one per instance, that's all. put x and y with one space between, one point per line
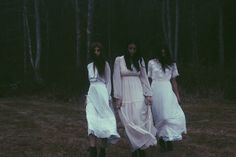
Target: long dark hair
165 59
99 61
135 59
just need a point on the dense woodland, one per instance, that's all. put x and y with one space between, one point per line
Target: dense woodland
44 44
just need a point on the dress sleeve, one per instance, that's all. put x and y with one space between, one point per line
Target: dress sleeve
108 77
117 79
144 79
150 69
175 72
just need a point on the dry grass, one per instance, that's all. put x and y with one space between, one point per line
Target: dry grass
42 127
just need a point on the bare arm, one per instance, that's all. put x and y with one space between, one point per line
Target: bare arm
117 83
108 77
145 83
144 80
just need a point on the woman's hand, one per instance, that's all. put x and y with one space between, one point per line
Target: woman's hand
148 100
118 103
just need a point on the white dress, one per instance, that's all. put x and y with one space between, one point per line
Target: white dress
100 117
135 115
169 118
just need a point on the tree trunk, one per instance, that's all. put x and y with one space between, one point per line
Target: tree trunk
38 41
164 21
46 51
221 39
28 39
89 25
78 35
194 56
169 27
25 38
176 30
109 28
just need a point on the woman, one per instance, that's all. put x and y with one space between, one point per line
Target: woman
131 88
100 117
169 119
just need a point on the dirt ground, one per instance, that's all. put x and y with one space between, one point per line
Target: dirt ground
35 126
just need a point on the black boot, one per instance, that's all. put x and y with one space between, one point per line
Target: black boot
92 152
162 144
102 152
142 153
135 153
169 145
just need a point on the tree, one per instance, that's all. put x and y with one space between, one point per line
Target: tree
34 55
109 7
78 35
89 25
167 25
194 35
221 37
176 30
26 29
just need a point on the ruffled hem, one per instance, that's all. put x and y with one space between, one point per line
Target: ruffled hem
172 138
111 137
142 135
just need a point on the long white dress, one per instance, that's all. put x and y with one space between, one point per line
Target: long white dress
169 118
136 116
100 117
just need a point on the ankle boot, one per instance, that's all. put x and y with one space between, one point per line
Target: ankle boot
92 152
162 144
135 153
102 152
169 145
142 153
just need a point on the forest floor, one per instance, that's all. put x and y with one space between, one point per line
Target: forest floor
40 126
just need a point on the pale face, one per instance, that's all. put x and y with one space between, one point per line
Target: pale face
132 49
97 51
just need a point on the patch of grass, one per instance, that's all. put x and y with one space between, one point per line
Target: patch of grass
40 127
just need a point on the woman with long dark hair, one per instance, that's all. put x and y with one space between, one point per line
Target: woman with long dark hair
131 89
100 117
169 119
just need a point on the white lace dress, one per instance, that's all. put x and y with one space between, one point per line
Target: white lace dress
169 118
136 116
100 117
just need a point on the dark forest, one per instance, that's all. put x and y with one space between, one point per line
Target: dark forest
45 42
44 52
